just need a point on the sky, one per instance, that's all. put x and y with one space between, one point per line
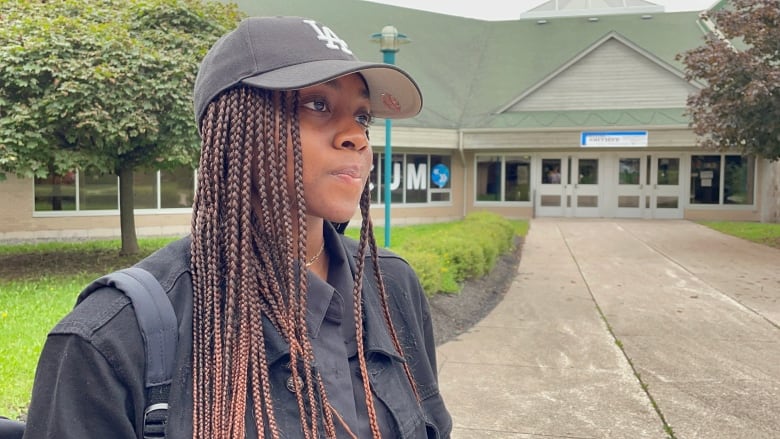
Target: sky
511 9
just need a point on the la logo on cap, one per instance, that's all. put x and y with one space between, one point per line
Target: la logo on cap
332 41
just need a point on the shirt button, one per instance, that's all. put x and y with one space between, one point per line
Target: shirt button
291 383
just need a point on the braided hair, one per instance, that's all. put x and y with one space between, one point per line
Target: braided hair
248 250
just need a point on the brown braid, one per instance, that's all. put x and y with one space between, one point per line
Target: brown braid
248 251
358 312
365 204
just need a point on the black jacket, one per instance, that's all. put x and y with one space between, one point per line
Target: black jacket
90 378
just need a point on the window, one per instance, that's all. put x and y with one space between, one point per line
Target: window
84 191
55 193
738 179
415 178
722 179
551 171
488 178
98 192
504 178
177 188
145 189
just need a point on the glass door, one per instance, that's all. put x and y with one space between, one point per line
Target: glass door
551 182
631 185
584 189
665 197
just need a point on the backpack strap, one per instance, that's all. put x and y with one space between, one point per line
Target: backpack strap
159 328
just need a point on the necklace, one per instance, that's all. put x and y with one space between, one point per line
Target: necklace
317 256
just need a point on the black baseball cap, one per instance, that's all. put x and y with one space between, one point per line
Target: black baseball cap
290 53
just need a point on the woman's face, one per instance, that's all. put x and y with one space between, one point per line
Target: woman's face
337 157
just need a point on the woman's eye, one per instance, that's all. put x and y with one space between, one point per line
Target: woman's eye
365 119
319 105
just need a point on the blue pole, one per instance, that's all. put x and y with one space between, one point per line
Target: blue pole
389 58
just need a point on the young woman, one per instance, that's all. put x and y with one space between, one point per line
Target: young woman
287 329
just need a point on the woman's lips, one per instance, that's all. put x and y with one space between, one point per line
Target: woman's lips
351 172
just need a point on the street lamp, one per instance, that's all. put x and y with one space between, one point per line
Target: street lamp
389 41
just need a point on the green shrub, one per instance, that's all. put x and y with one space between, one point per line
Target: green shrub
448 254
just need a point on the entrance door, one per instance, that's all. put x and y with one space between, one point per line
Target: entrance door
630 188
665 196
584 188
552 181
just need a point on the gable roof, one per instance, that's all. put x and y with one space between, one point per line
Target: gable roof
467 68
609 81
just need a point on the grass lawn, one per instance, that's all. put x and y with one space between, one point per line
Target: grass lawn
39 284
762 233
28 310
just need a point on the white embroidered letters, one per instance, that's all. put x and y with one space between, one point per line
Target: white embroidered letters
332 41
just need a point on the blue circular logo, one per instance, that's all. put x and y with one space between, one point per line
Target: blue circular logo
440 175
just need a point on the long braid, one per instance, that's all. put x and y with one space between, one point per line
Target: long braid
271 303
365 205
205 231
367 239
236 359
358 313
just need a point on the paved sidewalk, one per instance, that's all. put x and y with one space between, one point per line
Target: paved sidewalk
602 310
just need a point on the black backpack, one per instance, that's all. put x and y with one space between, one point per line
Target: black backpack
10 429
160 332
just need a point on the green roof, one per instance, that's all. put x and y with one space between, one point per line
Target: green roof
468 69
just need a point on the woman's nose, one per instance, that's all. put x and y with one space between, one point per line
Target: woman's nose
352 135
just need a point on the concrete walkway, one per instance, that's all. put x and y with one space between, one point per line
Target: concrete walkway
624 329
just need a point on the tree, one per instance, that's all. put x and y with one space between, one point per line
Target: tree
104 86
738 108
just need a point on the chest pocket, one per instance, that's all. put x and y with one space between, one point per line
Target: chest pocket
392 388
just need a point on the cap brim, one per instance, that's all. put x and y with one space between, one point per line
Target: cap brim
394 94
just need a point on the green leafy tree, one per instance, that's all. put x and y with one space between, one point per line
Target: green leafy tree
103 86
738 108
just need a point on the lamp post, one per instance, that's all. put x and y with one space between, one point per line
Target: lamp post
389 41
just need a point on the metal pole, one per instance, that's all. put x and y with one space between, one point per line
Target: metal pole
389 58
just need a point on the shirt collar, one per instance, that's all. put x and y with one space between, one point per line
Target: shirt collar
376 334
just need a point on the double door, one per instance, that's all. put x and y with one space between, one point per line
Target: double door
615 185
648 186
569 186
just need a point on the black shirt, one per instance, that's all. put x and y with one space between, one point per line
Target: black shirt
331 319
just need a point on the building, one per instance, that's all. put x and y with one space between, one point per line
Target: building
563 112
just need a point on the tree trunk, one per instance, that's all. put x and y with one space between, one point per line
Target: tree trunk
126 212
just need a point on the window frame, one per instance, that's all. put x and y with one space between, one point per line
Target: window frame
502 169
78 212
721 204
379 202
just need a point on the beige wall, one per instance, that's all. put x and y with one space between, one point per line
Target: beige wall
17 220
695 214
